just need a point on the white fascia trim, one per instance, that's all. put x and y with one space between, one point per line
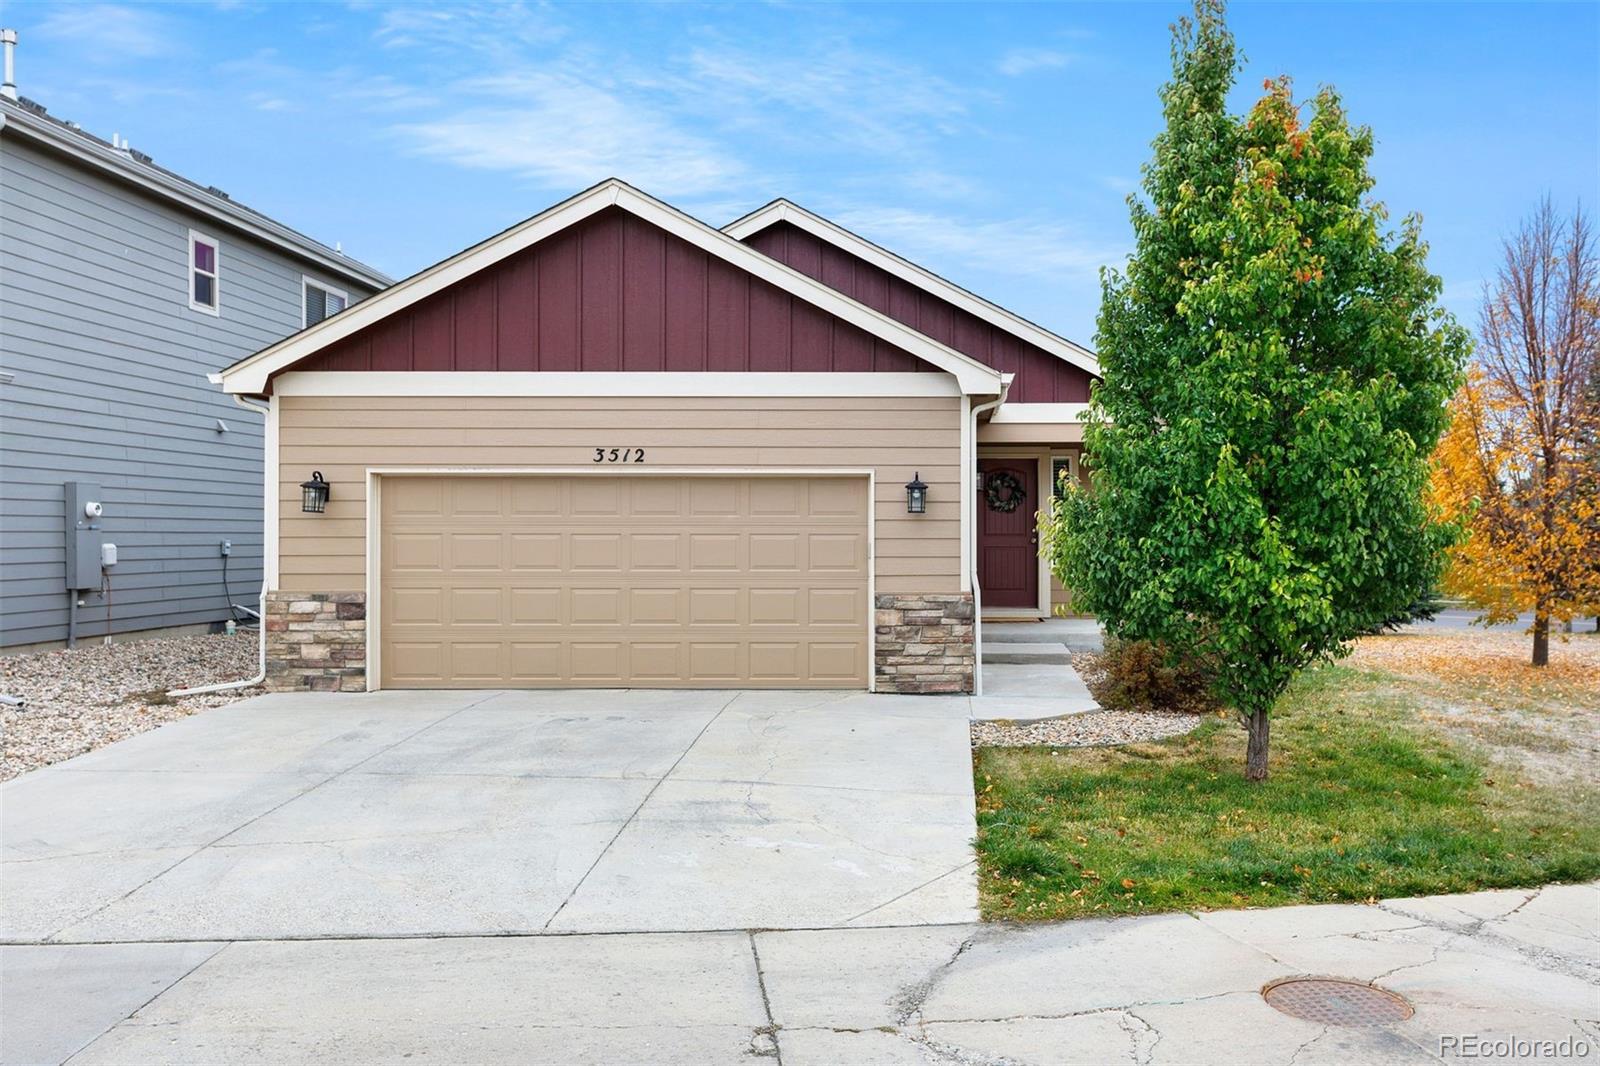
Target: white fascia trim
922 278
601 383
126 169
251 375
1041 413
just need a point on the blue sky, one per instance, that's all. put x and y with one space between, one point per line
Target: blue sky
992 143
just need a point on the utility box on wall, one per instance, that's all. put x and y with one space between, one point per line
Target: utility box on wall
85 534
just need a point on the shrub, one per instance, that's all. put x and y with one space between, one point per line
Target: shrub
1144 675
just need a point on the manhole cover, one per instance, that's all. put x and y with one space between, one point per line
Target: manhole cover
1336 1001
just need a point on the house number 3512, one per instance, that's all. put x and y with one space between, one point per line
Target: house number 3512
619 455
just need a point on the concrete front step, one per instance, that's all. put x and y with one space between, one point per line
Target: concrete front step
1019 652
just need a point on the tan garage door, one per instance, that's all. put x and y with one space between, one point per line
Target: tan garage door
605 579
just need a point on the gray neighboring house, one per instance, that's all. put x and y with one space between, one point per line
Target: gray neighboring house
122 285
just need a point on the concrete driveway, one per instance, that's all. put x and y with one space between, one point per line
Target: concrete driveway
402 814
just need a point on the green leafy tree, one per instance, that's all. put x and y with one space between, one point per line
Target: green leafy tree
1276 374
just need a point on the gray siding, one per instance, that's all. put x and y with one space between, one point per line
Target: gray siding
110 368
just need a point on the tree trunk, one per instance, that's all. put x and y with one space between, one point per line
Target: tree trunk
1259 725
1541 639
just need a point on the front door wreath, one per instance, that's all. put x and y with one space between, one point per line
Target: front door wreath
1003 491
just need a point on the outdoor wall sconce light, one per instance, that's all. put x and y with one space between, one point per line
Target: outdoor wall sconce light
314 494
916 495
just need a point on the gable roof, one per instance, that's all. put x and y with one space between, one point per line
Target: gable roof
782 210
28 119
251 375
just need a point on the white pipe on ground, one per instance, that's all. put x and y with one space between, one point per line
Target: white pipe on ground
261 631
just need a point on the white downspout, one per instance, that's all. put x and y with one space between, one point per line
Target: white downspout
972 554
261 632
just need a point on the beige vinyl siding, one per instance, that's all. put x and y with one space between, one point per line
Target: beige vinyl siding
894 436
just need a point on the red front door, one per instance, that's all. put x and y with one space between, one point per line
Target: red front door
1008 537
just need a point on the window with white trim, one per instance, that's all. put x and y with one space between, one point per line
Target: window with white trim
320 301
1060 474
205 273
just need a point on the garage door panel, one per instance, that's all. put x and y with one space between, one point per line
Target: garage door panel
655 498
414 497
838 552
595 606
774 607
597 661
420 662
775 551
834 498
663 606
477 497
772 660
663 581
476 551
837 661
415 551
415 606
655 660
596 496
534 496
596 551
715 551
477 660
655 552
535 606
714 498
778 496
536 551
714 606
834 606
715 661
536 661
477 607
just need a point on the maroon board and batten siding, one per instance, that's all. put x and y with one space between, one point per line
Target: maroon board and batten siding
612 293
1040 376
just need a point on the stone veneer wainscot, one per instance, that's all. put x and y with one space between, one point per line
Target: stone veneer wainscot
316 641
925 643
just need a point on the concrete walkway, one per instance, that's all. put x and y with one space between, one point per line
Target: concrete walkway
1019 690
448 813
1495 966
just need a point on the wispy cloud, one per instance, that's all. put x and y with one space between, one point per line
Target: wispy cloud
1021 61
1012 246
106 33
864 100
493 28
561 131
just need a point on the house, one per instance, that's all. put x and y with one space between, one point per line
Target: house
615 446
122 285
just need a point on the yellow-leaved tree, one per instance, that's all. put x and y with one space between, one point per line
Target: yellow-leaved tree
1518 464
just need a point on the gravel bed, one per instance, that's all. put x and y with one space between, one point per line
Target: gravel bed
96 694
1094 729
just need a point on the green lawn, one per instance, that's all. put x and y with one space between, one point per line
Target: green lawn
1365 801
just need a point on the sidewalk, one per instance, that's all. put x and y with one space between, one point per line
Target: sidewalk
1492 966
